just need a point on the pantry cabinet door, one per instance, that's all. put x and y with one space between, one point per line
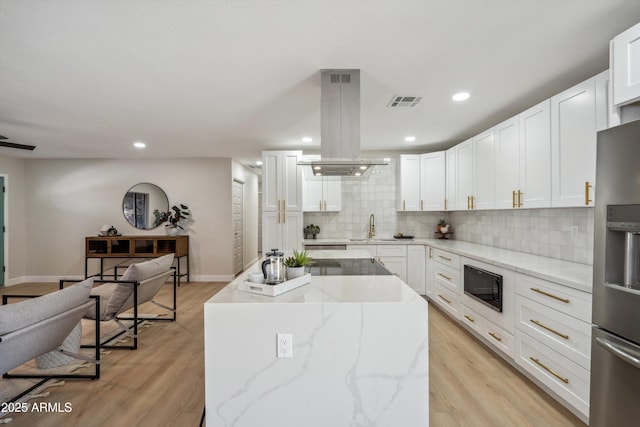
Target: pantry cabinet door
484 196
464 175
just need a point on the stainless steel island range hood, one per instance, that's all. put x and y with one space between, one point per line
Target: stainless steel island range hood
340 128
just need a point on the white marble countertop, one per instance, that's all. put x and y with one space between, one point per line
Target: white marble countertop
326 289
574 275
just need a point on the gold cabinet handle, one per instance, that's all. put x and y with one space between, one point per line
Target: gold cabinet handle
469 318
320 204
587 200
495 337
473 202
430 253
519 198
564 300
404 205
325 205
444 258
513 199
537 322
468 202
421 205
444 277
551 371
444 299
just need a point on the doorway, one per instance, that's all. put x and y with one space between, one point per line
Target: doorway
238 226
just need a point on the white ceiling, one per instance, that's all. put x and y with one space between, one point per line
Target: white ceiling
232 78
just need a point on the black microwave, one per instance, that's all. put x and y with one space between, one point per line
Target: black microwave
484 286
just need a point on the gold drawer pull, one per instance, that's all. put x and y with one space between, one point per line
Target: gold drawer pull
519 198
495 337
430 253
469 318
513 199
561 378
325 205
404 205
550 295
587 200
566 337
444 258
445 300
444 277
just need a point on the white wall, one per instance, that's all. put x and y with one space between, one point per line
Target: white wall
16 248
69 199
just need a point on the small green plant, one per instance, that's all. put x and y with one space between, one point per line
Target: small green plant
178 214
299 259
442 222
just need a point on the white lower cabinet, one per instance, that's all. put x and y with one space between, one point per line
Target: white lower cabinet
428 272
416 268
567 379
544 327
553 337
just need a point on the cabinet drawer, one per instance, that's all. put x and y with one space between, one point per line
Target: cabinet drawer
499 338
369 248
448 277
446 299
566 378
567 335
447 258
391 250
493 334
562 298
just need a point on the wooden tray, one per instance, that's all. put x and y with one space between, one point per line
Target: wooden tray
274 290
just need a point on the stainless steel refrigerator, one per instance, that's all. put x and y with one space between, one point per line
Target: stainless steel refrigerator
615 341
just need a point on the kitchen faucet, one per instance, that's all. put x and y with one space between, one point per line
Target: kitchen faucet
372 227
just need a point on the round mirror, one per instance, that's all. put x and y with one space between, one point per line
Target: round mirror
145 206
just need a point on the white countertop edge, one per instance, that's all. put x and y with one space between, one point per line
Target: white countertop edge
570 274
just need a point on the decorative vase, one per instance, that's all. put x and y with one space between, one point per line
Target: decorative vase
173 231
293 272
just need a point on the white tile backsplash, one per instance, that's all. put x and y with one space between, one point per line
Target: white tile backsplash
564 233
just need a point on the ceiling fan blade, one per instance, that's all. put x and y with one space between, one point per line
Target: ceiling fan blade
19 146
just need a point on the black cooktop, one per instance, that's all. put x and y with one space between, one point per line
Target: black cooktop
347 267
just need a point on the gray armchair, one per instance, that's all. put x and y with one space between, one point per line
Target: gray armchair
37 325
139 284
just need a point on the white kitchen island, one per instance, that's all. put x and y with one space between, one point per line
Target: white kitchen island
360 354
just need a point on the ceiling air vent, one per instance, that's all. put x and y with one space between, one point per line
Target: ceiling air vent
404 101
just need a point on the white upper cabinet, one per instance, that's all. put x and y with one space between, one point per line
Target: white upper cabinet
464 175
432 181
281 181
507 148
625 66
523 160
452 176
573 145
322 194
484 193
421 182
409 182
535 157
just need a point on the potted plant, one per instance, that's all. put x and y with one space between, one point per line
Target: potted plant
312 230
442 226
295 264
175 216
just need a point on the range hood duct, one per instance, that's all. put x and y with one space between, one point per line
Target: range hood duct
340 127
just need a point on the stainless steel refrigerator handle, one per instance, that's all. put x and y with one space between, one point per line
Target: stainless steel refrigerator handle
619 352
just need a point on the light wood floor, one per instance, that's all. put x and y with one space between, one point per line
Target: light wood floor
162 384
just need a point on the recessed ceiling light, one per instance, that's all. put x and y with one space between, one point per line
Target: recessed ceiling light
317 168
363 168
139 144
461 96
357 174
318 174
387 160
259 163
410 138
307 139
